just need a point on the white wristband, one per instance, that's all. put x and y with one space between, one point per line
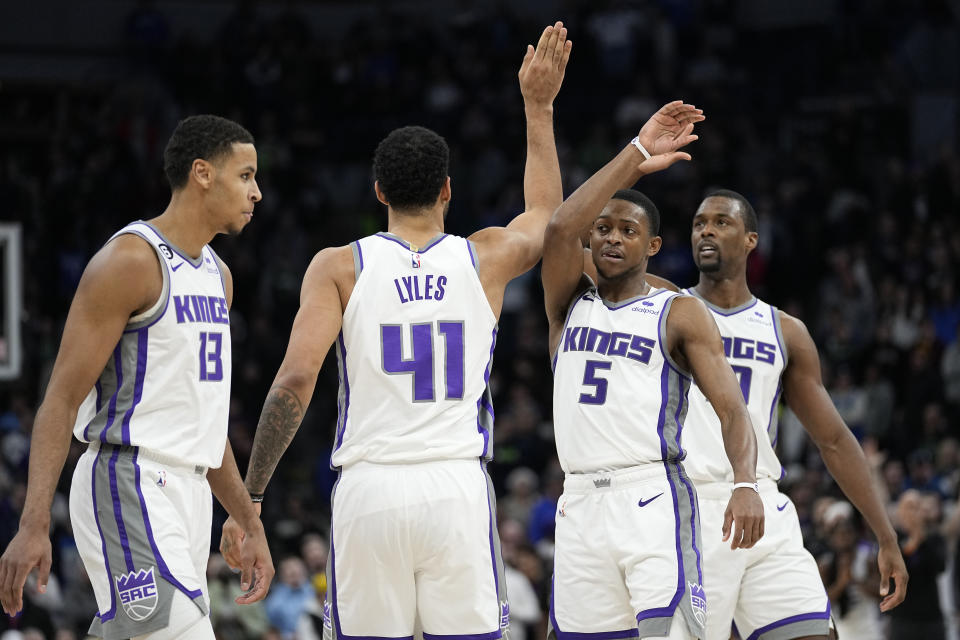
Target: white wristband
747 485
636 142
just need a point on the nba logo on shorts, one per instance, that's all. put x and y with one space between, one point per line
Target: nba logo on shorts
698 602
162 478
415 260
138 593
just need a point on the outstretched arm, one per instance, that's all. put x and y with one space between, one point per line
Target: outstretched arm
315 327
668 130
693 336
804 393
507 252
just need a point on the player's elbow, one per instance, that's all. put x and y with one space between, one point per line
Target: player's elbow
558 229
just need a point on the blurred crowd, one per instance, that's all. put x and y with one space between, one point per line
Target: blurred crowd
841 128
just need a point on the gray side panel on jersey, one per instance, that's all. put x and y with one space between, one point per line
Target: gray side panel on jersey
690 575
778 331
125 369
474 258
161 308
357 259
485 414
673 410
343 395
662 334
133 361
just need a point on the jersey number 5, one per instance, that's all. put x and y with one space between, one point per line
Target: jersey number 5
421 364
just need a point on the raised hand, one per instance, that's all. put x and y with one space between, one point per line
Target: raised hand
669 129
256 566
541 72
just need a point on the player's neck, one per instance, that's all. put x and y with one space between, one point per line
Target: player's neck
725 292
181 226
417 228
623 287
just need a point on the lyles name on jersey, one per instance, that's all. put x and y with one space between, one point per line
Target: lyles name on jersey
428 286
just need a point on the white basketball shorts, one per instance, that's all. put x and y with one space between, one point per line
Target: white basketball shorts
627 556
142 528
415 540
772 590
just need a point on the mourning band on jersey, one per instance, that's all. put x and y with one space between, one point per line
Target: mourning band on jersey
636 142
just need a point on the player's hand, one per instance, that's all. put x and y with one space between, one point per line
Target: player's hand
27 550
231 542
743 519
256 566
541 72
669 129
892 567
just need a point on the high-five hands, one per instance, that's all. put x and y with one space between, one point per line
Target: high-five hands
541 72
669 129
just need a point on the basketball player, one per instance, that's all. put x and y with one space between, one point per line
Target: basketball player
773 590
143 376
628 540
413 313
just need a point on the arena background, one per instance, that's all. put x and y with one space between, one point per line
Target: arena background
838 119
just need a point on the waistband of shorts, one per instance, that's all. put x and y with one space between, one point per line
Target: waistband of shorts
618 478
171 462
723 490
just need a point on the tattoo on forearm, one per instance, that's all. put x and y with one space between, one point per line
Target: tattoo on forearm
279 421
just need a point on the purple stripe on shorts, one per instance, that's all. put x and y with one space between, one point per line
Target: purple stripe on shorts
580 635
161 565
493 635
137 385
117 511
803 617
109 615
112 407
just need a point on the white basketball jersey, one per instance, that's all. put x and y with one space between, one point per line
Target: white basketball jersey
414 354
753 344
166 387
618 398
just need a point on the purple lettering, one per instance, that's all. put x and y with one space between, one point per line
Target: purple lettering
180 303
399 291
441 281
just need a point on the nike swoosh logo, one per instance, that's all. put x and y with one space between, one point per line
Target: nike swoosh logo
176 267
644 503
783 506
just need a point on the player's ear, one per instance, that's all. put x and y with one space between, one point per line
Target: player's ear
380 195
445 191
203 172
654 247
751 241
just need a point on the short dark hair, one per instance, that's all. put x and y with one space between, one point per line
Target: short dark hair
205 136
747 214
410 165
645 203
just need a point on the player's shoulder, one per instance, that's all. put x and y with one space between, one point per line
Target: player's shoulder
796 336
127 252
333 260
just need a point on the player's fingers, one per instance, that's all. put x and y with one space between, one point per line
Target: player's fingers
727 521
5 599
559 46
565 58
551 43
899 591
43 574
670 108
542 42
